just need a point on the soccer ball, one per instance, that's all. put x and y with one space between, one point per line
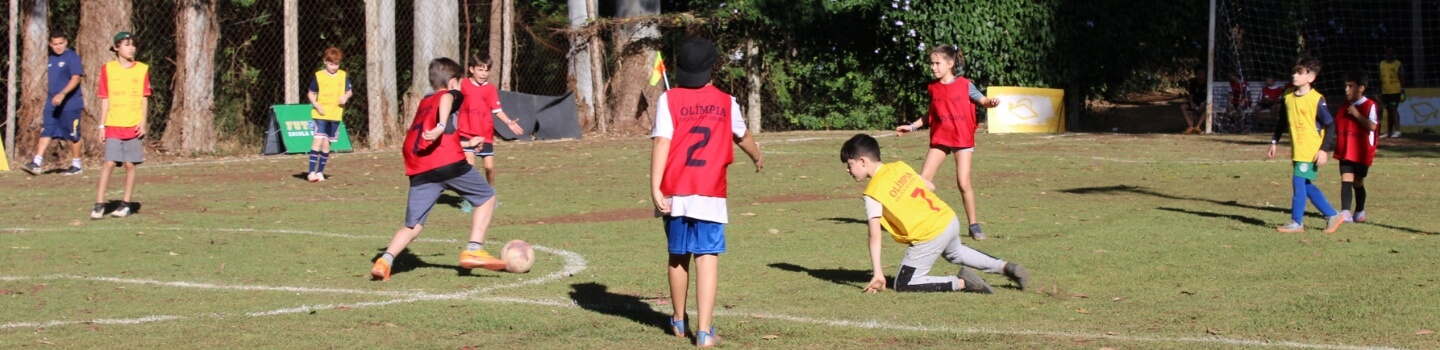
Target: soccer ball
518 256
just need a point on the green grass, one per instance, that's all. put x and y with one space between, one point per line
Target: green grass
1133 242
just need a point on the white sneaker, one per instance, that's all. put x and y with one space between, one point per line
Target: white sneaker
319 177
310 177
1395 134
123 211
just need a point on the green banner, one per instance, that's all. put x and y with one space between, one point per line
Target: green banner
295 129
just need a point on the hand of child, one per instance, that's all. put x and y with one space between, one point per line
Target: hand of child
901 130
432 134
515 128
57 100
759 163
877 284
1271 154
991 102
661 203
139 131
1353 112
1320 158
319 110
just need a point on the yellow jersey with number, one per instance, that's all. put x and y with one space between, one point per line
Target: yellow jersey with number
126 89
1390 77
1305 114
911 212
330 88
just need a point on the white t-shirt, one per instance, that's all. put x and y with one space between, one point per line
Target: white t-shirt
706 208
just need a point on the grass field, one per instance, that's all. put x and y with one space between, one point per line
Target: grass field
1132 241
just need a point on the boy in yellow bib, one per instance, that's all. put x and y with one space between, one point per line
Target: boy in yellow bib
900 201
1312 135
328 93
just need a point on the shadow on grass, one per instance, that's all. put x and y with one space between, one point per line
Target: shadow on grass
846 277
113 205
1242 142
1122 189
1241 219
407 261
449 200
846 221
598 298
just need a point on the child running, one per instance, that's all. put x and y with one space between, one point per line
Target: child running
952 125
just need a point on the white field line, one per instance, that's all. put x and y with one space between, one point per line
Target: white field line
874 324
1192 161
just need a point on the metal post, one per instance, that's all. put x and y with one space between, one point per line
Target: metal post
10 82
292 51
1210 76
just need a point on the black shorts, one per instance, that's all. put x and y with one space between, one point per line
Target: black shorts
485 150
1349 167
1390 100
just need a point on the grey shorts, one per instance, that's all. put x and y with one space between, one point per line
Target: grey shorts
470 185
125 151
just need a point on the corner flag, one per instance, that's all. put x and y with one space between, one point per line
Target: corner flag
659 72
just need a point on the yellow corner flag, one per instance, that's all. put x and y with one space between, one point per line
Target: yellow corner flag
658 71
4 162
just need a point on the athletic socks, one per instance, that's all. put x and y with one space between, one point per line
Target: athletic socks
474 246
75 162
314 159
324 158
1346 188
389 259
1359 198
39 160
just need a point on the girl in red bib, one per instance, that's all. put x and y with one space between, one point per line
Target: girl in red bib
952 125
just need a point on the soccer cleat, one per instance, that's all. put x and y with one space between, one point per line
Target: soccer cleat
381 271
706 339
466 207
122 211
31 167
975 232
98 212
470 259
1345 214
678 327
1360 217
310 177
973 282
319 177
1333 222
1395 134
73 170
1291 227
1017 274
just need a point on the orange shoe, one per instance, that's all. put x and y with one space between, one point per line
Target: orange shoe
1291 227
381 271
1333 223
470 259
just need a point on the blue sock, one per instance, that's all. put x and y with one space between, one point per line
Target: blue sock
474 246
314 158
324 158
1317 197
1297 201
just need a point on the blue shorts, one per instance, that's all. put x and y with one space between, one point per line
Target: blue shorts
687 235
325 128
61 124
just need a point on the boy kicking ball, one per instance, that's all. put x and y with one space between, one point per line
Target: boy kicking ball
901 202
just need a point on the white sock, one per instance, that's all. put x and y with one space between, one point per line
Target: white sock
39 160
75 162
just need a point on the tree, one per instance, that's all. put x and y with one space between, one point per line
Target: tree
380 64
34 36
579 62
192 116
99 21
436 34
635 46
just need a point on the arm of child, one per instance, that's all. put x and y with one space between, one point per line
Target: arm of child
901 130
980 99
144 111
104 111
658 156
1280 125
747 144
313 104
349 91
877 279
1326 120
512 123
434 132
1365 119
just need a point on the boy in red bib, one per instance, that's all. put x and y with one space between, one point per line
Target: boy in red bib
1356 127
687 180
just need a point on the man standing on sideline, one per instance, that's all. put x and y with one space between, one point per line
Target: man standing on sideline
62 110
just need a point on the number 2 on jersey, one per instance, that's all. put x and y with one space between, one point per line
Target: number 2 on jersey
919 193
690 152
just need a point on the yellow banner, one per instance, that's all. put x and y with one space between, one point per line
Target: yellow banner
1026 110
1421 109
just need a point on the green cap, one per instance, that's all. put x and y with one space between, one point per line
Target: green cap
118 37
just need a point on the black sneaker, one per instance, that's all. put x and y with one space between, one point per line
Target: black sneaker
973 282
98 212
1017 274
975 232
73 170
31 167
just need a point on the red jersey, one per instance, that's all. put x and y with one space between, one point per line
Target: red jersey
700 149
1238 89
476 114
1272 92
1352 141
421 155
952 114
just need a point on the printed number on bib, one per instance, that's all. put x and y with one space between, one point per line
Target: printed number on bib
919 193
690 152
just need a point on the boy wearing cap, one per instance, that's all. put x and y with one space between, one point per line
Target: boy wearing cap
124 86
687 180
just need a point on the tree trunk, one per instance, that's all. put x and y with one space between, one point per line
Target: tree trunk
507 58
34 36
635 47
99 21
579 67
292 51
380 72
191 128
497 29
756 65
437 35
597 64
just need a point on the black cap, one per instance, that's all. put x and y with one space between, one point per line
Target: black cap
695 62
